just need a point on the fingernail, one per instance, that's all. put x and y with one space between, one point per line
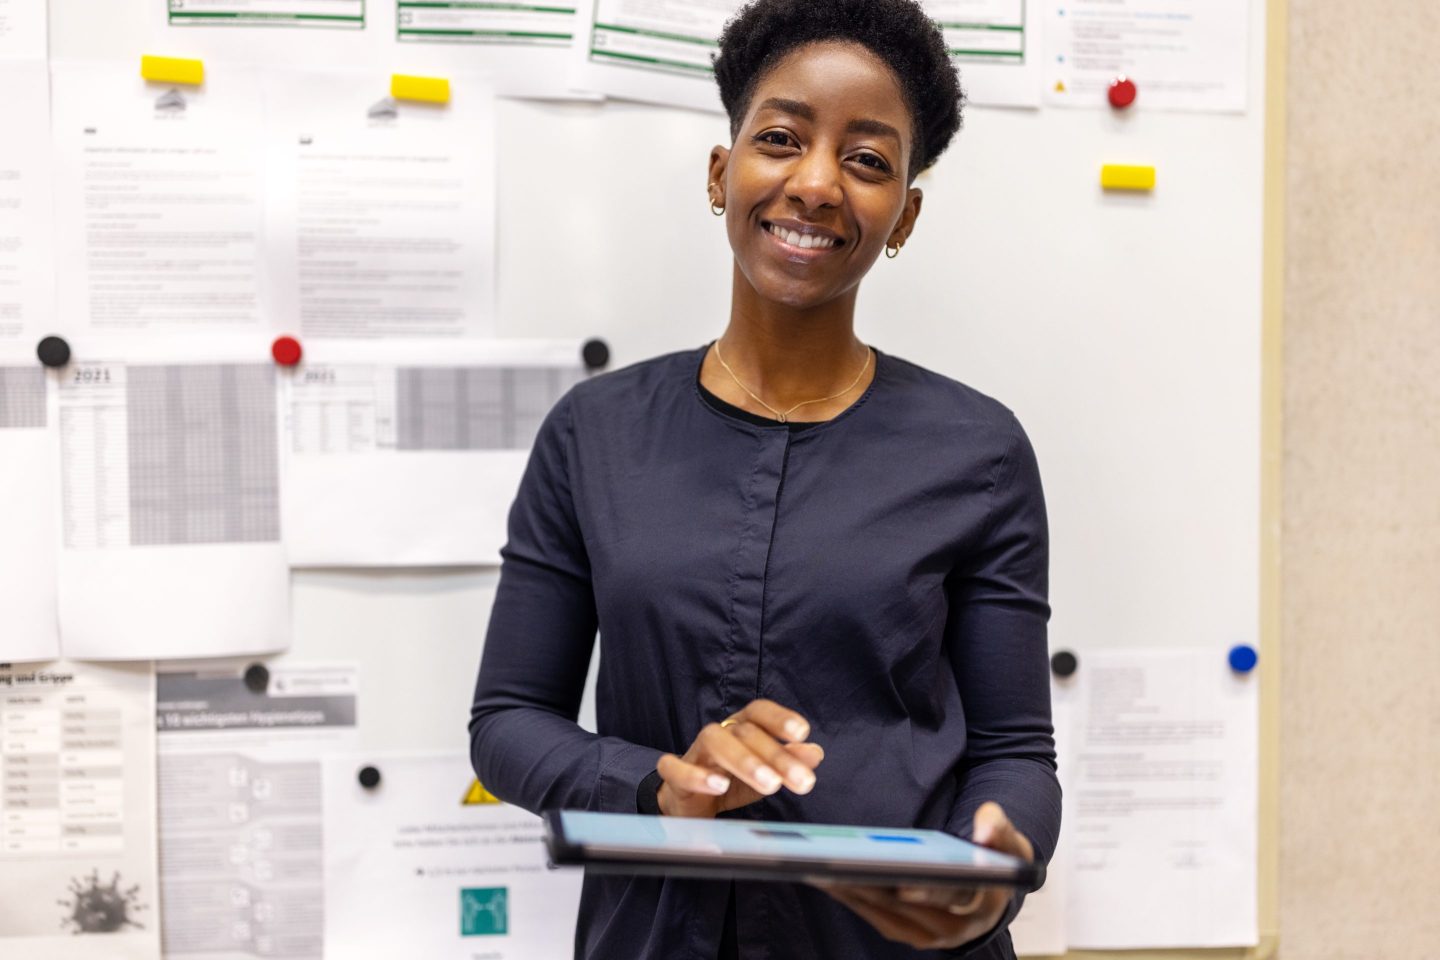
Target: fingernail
802 779
718 783
796 730
911 895
769 779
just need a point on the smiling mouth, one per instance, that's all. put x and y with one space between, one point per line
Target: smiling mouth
804 241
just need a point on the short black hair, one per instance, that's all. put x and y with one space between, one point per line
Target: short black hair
897 31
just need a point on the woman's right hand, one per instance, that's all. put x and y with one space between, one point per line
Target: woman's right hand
736 764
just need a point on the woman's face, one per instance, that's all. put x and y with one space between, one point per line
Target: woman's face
815 184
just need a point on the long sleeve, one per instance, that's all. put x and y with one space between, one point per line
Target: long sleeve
525 744
996 637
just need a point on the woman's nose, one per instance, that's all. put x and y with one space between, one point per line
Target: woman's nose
815 181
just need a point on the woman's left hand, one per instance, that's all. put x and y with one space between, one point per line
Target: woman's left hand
934 917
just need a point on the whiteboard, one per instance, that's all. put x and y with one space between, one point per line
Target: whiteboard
1125 331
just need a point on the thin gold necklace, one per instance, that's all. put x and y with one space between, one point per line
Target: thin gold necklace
785 417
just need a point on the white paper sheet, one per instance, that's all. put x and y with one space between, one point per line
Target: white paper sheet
995 44
410 454
280 34
77 812
411 871
22 32
157 202
27 280
241 819
1181 54
657 51
170 516
1040 930
269 13
29 629
381 215
523 48
1165 783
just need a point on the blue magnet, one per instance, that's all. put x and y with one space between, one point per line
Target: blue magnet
1243 658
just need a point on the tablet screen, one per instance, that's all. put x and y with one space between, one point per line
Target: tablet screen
793 841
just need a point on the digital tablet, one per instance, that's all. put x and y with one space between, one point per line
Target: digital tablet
768 850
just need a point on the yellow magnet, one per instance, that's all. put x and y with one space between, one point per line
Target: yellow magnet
423 89
1117 176
172 70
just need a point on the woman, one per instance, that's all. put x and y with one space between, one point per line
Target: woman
818 571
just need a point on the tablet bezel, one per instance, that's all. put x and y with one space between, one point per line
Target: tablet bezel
703 866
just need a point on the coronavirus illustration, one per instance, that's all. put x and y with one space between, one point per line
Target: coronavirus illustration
96 907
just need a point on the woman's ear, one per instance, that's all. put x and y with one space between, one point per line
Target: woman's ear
715 184
908 215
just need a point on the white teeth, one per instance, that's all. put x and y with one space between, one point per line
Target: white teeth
805 241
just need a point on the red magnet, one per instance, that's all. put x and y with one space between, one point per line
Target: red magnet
1122 92
286 351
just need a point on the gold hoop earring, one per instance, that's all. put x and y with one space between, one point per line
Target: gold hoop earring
892 251
717 209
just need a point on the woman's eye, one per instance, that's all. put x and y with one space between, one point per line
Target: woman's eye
774 138
871 160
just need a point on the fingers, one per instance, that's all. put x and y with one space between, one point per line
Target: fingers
994 830
920 927
780 722
751 748
724 747
691 777
925 927
809 754
958 901
797 774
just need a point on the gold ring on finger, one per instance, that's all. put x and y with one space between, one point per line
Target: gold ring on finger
729 722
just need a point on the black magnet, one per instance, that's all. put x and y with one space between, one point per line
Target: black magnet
369 778
1064 664
53 351
257 678
596 353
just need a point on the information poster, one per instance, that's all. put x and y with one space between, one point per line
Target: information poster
470 21
77 812
280 13
1180 54
241 825
659 51
427 863
169 485
994 45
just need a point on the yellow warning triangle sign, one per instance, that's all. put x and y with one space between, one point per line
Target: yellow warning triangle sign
477 795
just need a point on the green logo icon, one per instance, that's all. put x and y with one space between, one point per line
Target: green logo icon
484 911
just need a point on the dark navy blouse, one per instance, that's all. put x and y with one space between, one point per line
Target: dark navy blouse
884 573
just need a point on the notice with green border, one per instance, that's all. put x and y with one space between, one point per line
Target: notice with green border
981 31
268 13
671 36
473 21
